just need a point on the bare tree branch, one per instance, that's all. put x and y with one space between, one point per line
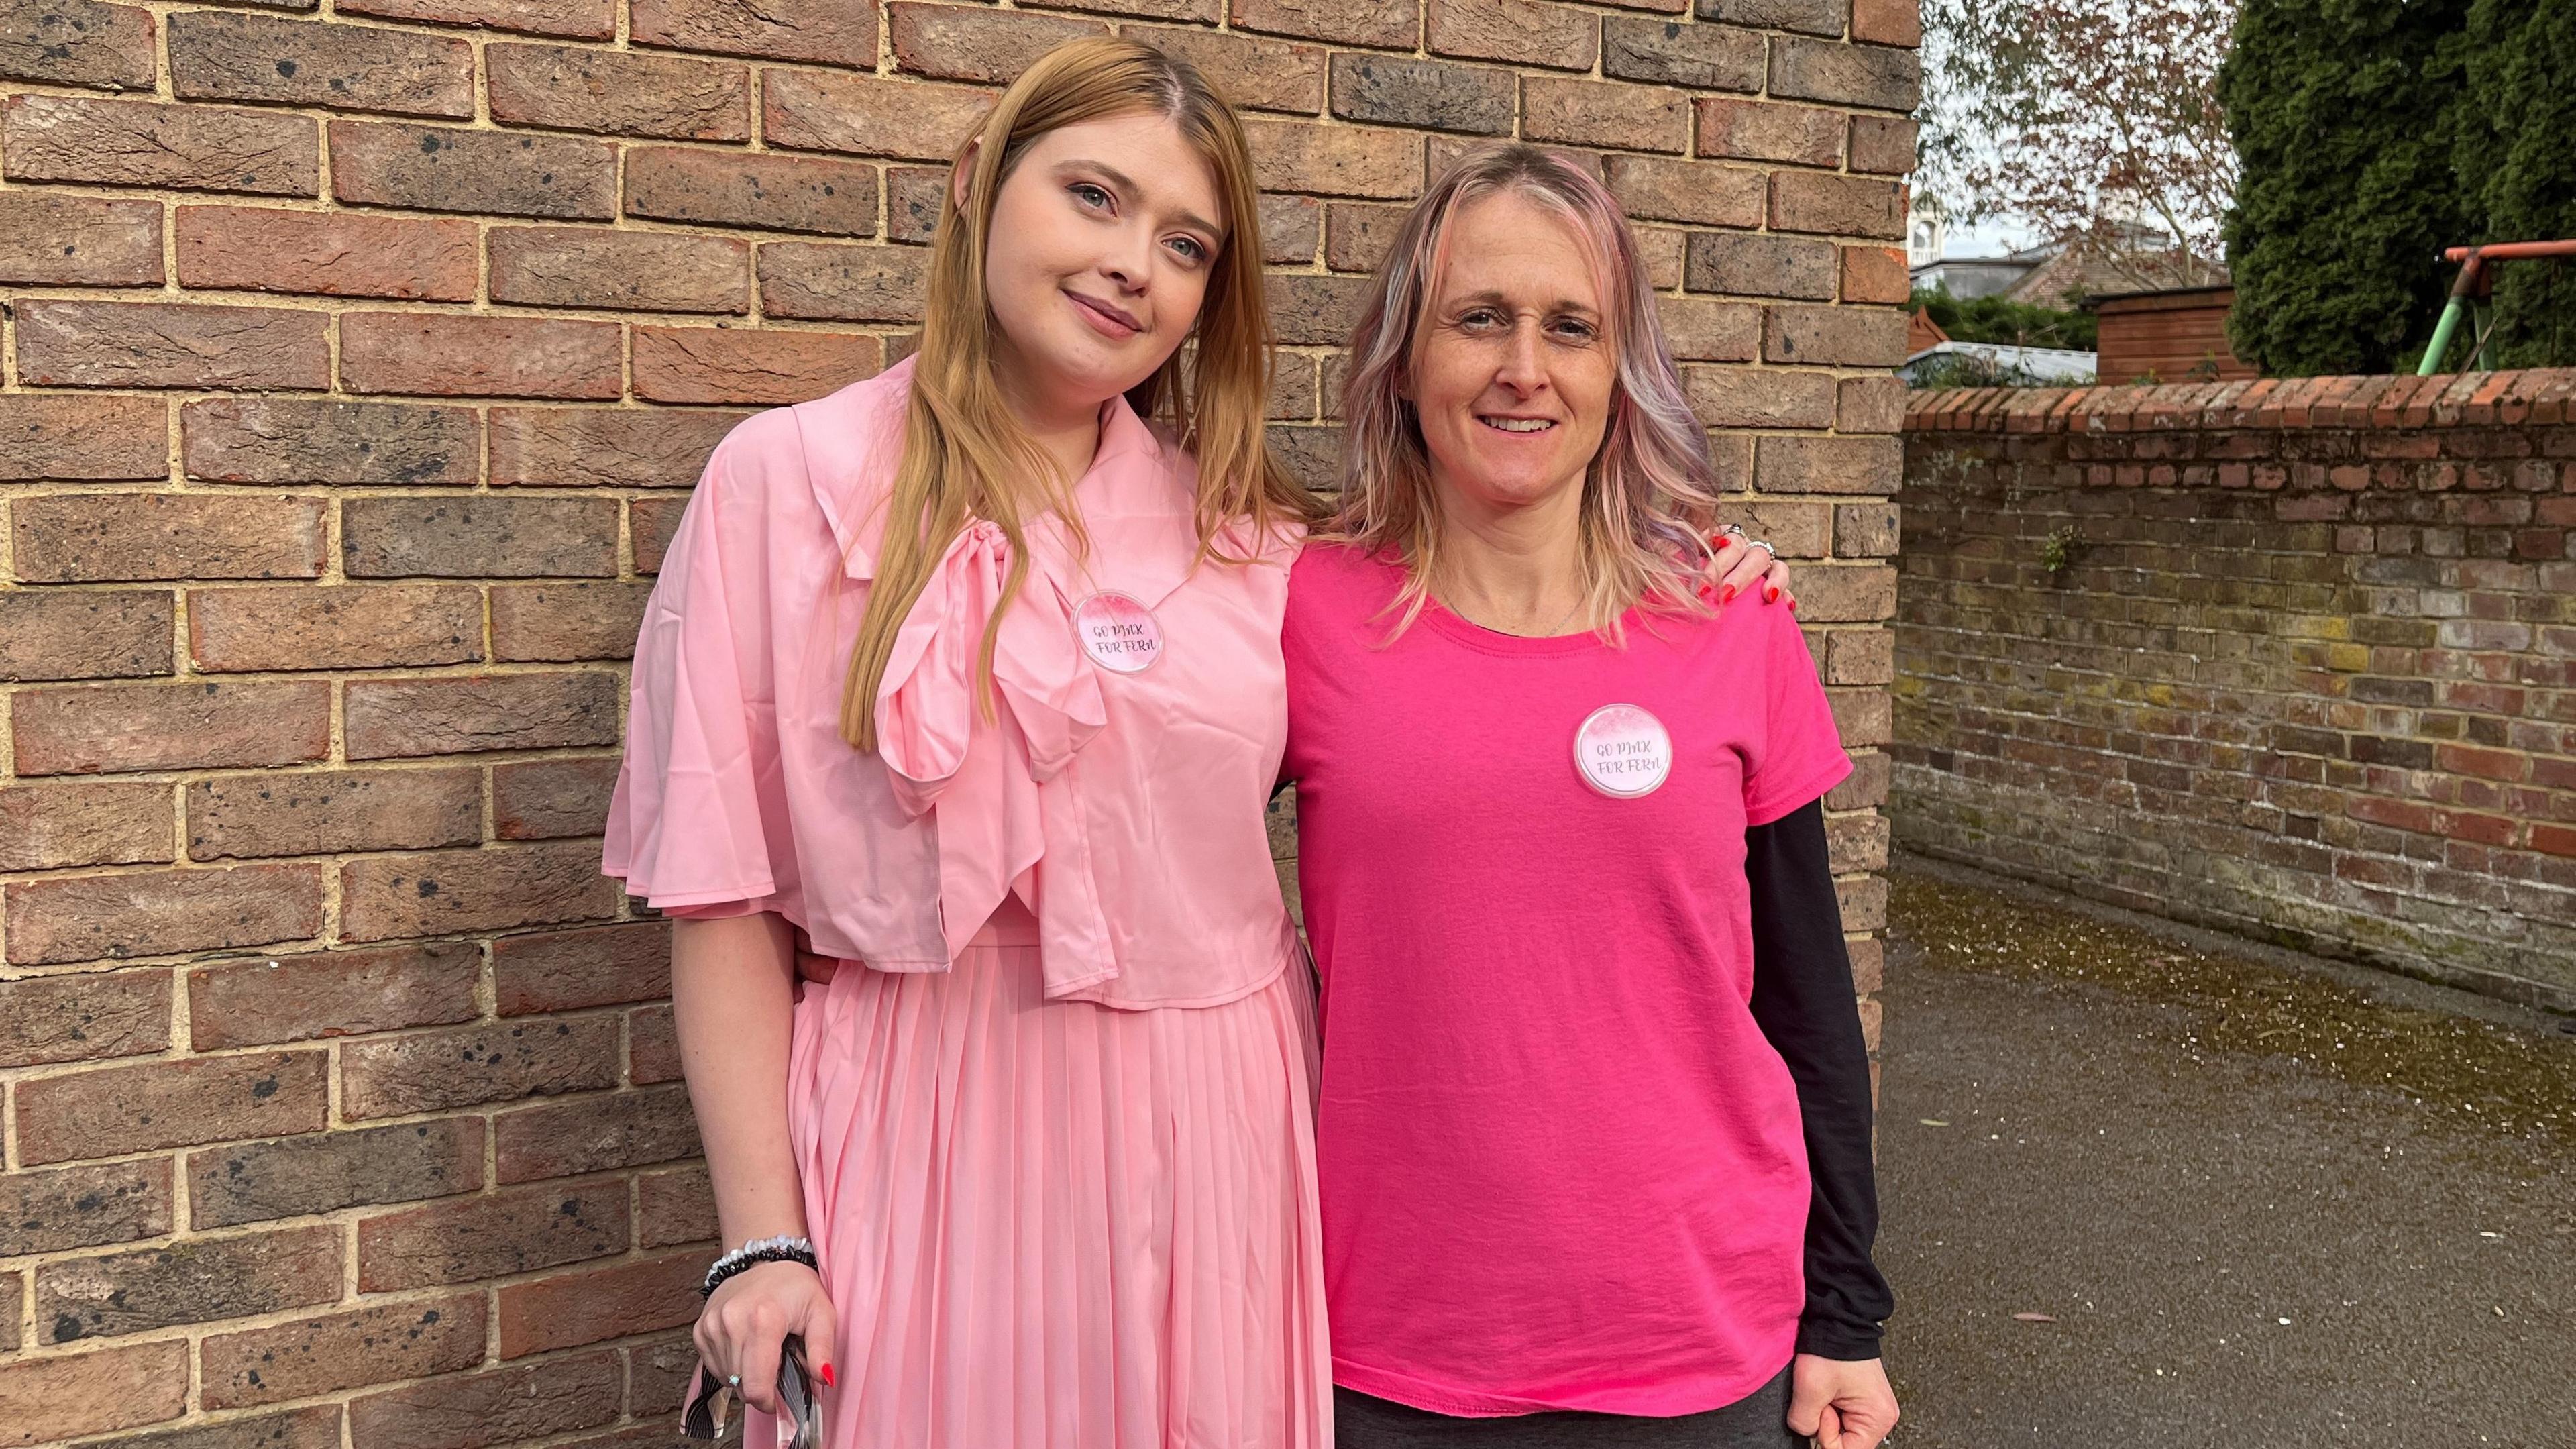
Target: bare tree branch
2095 121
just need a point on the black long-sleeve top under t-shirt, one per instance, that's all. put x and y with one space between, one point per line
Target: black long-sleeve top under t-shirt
1803 1002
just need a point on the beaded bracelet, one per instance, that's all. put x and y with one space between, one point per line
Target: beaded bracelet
753 1253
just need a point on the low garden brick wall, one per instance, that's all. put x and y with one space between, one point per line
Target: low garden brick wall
2293 658
353 370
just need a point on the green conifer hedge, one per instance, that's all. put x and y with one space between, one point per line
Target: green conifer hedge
2516 157
2340 110
2373 134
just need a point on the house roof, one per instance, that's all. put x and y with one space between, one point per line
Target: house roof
2154 297
2078 272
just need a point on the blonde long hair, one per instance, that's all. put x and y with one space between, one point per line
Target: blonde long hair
1650 494
965 456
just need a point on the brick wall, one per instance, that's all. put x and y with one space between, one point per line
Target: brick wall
2307 669
353 371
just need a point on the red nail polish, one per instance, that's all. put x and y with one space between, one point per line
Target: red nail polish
1770 593
827 1377
1793 606
1726 595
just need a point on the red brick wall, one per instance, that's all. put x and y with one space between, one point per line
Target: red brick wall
353 370
2308 670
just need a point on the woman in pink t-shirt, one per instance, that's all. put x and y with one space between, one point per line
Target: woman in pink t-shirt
1594 1112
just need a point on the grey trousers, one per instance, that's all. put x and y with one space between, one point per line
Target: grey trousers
1759 1420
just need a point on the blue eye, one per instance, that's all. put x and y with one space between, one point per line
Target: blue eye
1090 195
1189 247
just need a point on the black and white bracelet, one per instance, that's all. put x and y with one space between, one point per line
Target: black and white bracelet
753 1253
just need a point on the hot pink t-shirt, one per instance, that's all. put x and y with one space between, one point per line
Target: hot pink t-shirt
1561 1167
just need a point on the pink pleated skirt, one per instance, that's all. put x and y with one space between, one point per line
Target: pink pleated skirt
1058 1225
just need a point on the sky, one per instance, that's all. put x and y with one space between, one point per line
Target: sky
1991 238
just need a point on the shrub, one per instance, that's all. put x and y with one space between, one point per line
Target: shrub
2342 111
2515 152
2014 324
2374 133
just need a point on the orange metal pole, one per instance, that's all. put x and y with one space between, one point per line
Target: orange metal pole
2506 251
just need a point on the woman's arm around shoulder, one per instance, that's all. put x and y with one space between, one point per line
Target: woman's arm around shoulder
1741 566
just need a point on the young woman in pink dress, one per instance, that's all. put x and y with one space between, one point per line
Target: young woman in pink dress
969 673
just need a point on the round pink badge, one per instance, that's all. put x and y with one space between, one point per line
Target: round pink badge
1120 634
1622 751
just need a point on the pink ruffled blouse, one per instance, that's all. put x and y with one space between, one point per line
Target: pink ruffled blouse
1117 788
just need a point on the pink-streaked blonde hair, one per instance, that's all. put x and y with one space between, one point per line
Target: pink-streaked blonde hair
1650 495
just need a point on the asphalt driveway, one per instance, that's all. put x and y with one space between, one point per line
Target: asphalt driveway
2144 1187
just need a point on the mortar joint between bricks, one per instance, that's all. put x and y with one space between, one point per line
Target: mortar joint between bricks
161 82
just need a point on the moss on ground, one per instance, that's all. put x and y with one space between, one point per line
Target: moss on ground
2514 1082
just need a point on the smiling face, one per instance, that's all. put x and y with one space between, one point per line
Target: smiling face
1103 240
1513 370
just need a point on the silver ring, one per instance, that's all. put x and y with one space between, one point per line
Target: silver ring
1762 544
1734 528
